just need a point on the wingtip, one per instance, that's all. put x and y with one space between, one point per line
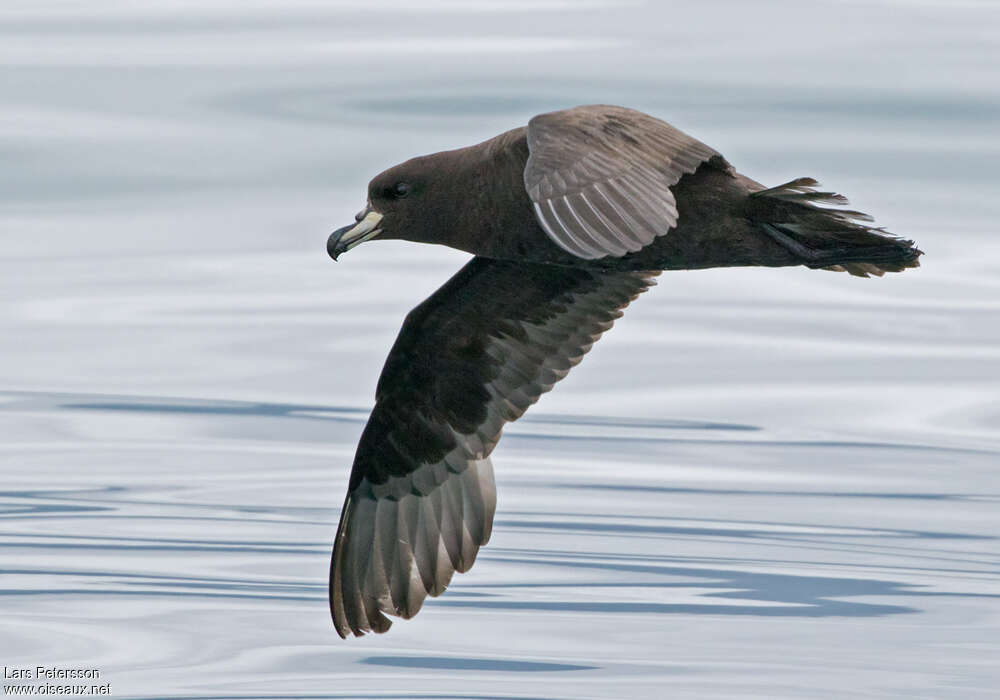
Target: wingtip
418 542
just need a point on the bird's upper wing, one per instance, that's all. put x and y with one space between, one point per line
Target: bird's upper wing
470 358
600 177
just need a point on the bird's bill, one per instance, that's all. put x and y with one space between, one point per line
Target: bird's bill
343 239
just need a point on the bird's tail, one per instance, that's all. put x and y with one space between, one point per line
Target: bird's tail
802 219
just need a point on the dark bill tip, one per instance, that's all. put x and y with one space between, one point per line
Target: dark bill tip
333 244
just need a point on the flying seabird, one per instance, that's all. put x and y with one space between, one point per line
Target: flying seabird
569 219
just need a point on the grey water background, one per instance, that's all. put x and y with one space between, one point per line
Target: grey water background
762 483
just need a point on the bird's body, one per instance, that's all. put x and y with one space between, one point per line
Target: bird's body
569 219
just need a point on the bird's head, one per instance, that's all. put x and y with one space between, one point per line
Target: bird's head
469 198
403 203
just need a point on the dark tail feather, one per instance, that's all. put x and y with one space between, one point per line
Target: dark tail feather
832 239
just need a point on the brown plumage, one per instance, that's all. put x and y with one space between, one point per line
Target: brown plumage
569 219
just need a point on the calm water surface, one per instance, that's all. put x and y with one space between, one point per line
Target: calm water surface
763 483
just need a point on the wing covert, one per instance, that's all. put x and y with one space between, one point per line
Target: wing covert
600 177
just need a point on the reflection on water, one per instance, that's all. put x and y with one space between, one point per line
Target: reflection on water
762 483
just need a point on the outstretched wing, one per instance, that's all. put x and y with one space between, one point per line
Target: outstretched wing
470 358
600 177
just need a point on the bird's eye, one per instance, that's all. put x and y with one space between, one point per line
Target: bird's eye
400 190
